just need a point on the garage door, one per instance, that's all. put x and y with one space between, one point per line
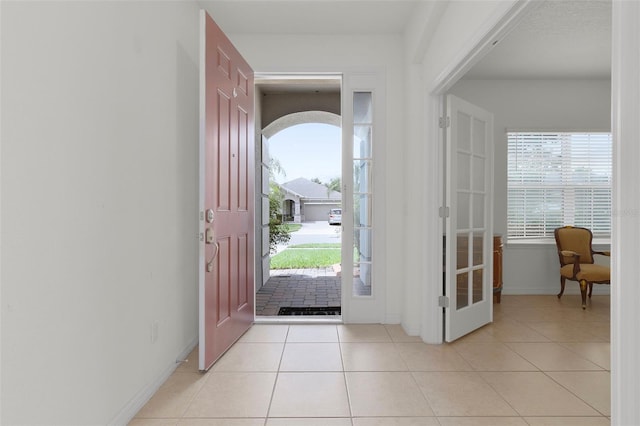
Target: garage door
317 212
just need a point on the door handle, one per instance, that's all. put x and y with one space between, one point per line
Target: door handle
209 238
215 254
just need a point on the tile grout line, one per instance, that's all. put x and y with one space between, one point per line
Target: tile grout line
507 338
193 397
275 382
344 377
573 393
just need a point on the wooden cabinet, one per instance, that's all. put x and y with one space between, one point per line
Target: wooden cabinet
497 266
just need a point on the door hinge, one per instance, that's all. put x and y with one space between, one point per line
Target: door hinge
444 211
444 122
443 301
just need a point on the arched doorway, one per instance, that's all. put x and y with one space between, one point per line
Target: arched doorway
302 152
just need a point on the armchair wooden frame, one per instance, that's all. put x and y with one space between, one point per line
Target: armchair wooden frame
577 262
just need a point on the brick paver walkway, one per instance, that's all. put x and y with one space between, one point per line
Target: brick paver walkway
298 288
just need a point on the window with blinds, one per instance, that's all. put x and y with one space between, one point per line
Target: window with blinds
558 179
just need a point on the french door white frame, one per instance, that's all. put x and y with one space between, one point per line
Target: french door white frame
469 231
432 321
364 309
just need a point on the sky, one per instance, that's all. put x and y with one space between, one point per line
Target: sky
308 150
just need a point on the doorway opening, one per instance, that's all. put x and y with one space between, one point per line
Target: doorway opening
300 154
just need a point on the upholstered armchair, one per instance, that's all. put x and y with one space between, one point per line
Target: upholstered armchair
576 260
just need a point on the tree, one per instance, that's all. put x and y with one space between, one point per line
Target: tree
278 232
334 184
275 169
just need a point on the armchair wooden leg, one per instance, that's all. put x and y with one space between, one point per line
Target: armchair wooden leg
562 282
590 289
583 293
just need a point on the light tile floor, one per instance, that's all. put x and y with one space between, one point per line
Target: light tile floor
542 362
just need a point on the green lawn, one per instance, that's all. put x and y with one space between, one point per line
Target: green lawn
317 245
307 256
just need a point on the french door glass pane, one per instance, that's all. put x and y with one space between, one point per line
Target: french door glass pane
362 245
464 200
362 279
478 210
362 140
477 295
478 252
464 132
479 141
361 210
361 175
464 171
362 261
462 246
478 174
362 193
362 107
462 290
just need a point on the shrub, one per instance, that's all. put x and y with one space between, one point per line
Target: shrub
278 232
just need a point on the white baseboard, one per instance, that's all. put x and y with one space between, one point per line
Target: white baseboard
393 319
144 395
411 331
598 290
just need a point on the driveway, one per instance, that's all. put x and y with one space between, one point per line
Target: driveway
314 232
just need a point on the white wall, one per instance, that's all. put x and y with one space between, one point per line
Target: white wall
99 209
312 53
572 105
462 22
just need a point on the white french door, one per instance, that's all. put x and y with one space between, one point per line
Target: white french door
363 134
469 237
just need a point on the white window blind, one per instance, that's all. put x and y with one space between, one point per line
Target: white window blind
558 179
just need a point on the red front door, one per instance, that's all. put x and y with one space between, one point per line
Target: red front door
226 194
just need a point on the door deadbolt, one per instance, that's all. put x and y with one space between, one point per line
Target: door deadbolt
209 215
208 236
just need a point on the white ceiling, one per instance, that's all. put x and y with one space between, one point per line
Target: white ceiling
311 16
558 39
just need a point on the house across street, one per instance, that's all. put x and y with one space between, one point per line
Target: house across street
306 201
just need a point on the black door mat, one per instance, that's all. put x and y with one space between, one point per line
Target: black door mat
311 311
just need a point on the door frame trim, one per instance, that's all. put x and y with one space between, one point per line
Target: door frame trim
260 135
625 107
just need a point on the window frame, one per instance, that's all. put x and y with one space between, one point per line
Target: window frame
559 155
